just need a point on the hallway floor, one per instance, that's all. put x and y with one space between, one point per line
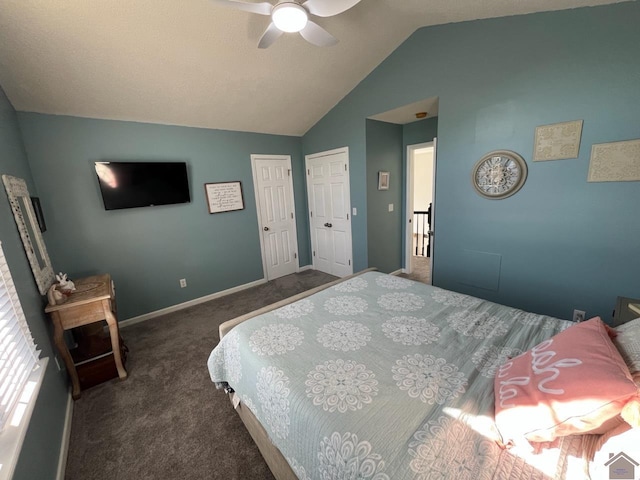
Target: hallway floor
421 270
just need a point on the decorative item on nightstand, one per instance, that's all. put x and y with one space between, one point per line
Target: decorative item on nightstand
60 291
65 285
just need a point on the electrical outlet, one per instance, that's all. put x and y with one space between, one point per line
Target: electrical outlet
391 207
183 282
578 315
354 211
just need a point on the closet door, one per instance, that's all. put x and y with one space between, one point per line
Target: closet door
329 211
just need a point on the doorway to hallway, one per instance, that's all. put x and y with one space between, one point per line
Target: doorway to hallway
420 206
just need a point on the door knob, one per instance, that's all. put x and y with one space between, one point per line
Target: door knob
266 229
328 225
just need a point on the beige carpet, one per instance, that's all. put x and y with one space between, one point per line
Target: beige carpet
167 421
421 270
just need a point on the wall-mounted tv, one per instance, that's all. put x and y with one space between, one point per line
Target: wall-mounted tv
142 184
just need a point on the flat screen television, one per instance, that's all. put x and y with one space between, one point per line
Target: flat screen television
142 184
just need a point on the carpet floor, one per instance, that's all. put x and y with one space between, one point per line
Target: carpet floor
421 270
167 420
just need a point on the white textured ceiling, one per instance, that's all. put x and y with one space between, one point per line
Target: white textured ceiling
407 113
194 63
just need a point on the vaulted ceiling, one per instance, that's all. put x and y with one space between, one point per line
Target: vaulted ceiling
195 63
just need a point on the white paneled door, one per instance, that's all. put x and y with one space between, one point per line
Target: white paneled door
330 211
276 215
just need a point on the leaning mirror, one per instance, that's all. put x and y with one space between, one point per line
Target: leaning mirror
29 231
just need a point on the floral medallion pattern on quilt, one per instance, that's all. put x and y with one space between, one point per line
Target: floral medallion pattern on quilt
295 310
232 357
246 401
411 330
217 365
393 283
446 448
298 469
395 365
401 302
276 339
343 335
452 299
273 394
345 457
488 359
345 305
339 385
477 324
428 378
353 285
527 318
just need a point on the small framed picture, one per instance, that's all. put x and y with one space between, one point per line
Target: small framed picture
383 180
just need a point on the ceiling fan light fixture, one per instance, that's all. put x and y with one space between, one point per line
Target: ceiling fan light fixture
289 17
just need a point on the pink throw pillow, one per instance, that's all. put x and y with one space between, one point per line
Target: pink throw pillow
571 383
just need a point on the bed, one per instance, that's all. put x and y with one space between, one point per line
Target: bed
379 377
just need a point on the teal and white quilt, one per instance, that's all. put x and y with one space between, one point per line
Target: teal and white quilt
380 378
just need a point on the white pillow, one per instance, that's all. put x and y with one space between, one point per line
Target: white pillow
628 344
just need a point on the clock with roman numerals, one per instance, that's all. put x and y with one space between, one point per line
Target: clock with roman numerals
499 174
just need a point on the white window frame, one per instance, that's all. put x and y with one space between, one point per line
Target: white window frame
13 433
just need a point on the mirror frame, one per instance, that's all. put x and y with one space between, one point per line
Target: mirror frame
17 188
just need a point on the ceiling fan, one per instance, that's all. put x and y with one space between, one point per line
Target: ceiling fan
290 16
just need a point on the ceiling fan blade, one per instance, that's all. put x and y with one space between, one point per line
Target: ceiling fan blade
314 33
328 8
262 8
270 35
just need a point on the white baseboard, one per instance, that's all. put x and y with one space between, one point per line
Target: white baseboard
397 272
174 308
66 436
306 267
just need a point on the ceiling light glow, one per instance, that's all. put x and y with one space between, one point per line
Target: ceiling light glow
289 17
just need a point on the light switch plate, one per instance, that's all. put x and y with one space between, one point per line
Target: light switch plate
391 207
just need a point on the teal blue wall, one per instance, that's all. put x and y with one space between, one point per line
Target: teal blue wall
44 435
384 228
422 131
146 250
563 243
349 131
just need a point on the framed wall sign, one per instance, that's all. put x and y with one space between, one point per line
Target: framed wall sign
383 180
224 196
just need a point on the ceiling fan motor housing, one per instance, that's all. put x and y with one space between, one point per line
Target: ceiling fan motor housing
289 17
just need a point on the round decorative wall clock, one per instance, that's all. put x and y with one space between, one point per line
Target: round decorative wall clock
499 174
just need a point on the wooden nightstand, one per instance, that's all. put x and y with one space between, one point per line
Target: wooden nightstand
627 309
93 301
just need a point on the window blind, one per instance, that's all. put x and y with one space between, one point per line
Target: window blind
18 353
